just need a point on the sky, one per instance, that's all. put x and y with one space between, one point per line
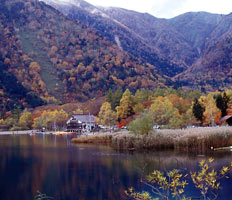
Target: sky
169 8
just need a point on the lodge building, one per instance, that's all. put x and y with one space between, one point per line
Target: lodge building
81 123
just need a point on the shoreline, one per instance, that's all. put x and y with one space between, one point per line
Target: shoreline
193 139
16 132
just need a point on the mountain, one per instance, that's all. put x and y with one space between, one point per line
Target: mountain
195 44
198 41
64 52
182 41
213 70
124 37
157 33
196 27
64 60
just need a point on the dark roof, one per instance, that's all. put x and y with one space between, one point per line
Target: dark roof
84 118
225 118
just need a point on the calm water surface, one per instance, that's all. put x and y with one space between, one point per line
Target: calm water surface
52 165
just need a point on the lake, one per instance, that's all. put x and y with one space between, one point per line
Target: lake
54 166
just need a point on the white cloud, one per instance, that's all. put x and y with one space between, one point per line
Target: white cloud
169 8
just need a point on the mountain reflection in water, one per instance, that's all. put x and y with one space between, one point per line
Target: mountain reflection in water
52 165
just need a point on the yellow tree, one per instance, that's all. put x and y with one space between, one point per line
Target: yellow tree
55 119
106 115
160 109
37 84
138 108
125 108
25 120
38 123
53 50
211 111
49 119
188 117
165 114
175 119
61 119
34 68
178 102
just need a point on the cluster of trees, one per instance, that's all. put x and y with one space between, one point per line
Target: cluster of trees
210 108
53 118
50 116
17 120
13 93
168 108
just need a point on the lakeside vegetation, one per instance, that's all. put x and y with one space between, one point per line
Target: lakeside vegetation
165 108
168 108
192 139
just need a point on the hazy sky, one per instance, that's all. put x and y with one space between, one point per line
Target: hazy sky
169 8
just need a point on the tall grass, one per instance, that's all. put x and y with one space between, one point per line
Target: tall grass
199 139
100 138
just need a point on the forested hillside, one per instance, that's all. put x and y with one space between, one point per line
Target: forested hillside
195 44
12 93
75 52
63 60
127 38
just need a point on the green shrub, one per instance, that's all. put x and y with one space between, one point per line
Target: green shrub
143 125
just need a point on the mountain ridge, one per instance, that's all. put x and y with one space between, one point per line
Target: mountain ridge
60 58
180 41
73 52
188 41
130 41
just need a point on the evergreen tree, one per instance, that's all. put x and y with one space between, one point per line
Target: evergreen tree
16 113
198 110
109 96
114 98
222 103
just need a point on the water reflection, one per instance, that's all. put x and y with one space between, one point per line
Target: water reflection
54 166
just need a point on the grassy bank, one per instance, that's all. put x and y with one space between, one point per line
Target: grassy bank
200 139
97 138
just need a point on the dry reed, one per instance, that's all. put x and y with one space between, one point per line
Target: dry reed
199 139
98 138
